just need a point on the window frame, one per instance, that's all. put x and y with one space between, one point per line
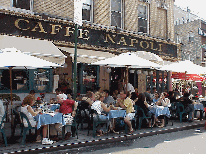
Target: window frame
21 9
122 16
191 35
91 11
147 15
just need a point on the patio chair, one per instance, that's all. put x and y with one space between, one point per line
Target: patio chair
180 111
25 129
2 129
17 120
74 124
96 123
142 116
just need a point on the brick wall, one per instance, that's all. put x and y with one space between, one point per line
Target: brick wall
5 3
63 8
102 12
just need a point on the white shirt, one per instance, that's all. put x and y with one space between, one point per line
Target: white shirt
130 87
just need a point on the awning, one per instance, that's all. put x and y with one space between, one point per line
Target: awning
87 56
39 48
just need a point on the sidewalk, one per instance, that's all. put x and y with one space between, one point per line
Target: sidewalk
85 140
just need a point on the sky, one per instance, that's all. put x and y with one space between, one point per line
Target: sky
197 7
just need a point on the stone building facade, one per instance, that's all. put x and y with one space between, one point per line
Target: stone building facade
190 31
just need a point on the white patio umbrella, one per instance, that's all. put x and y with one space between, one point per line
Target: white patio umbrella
185 66
128 60
150 56
11 57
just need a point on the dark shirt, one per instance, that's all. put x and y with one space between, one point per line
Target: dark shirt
186 101
173 100
143 106
148 97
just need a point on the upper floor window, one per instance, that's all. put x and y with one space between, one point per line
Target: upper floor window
116 13
191 36
23 4
142 18
178 39
86 12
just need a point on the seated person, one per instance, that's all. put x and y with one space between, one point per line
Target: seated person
156 98
163 101
172 97
99 106
188 106
115 94
126 103
29 112
148 96
108 99
141 103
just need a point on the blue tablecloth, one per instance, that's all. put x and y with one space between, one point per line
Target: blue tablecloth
117 113
54 107
46 119
198 107
157 111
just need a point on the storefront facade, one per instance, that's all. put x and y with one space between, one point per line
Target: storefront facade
117 31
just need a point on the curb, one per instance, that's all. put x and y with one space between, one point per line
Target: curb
105 141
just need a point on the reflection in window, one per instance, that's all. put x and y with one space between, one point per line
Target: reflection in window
142 18
89 78
41 79
86 12
23 4
116 13
20 79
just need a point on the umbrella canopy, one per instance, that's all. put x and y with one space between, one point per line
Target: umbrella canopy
128 59
185 66
12 57
150 56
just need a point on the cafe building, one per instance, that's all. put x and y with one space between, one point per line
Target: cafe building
110 27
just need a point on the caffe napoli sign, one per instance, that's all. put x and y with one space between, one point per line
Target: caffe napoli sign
15 25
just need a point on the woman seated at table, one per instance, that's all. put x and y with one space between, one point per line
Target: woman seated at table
29 112
99 106
145 106
126 103
165 102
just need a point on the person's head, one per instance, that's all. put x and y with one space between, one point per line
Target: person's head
154 89
128 94
156 95
29 100
141 97
171 93
148 90
163 95
32 92
116 92
58 91
106 92
122 94
89 94
99 89
100 97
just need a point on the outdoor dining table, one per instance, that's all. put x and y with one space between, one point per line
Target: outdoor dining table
49 118
160 110
113 114
198 106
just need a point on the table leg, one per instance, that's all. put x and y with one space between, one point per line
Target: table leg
48 132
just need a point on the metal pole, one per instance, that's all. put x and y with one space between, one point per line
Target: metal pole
10 72
75 65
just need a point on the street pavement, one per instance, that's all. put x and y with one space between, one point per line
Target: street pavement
85 140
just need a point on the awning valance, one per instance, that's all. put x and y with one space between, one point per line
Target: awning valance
87 56
39 48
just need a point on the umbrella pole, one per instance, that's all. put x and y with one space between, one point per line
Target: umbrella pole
10 72
126 78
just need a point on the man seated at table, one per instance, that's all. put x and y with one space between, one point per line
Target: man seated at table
29 112
188 106
108 99
66 107
148 96
126 103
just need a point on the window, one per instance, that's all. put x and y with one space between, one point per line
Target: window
116 15
191 37
86 12
23 4
142 18
41 80
178 39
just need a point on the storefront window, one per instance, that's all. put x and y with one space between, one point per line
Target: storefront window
20 80
86 12
116 10
41 80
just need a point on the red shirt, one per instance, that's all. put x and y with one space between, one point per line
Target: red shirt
66 106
